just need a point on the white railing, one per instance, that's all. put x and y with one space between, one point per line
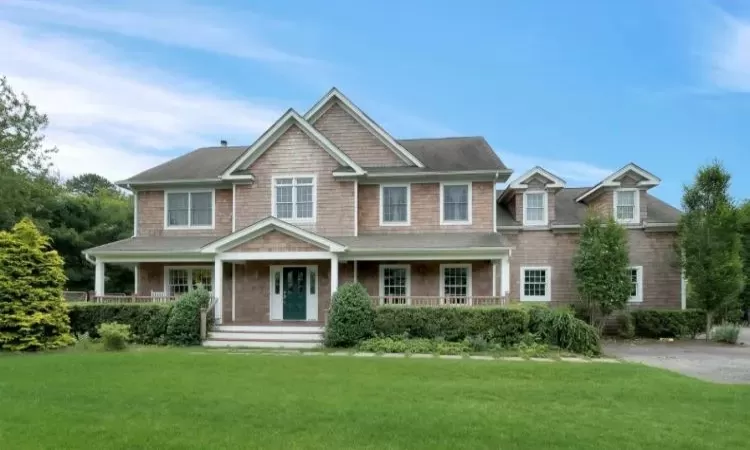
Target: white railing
470 301
122 298
205 315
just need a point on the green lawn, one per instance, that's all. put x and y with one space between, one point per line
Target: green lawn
162 398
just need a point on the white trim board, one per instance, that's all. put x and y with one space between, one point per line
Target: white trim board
557 182
650 180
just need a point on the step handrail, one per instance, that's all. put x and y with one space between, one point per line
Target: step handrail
204 317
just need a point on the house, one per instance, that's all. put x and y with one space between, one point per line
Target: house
328 197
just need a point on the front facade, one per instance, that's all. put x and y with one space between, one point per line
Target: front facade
329 197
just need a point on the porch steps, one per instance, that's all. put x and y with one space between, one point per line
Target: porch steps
265 336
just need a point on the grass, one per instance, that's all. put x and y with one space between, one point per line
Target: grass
183 399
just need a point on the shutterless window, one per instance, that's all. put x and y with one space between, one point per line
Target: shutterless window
189 209
395 204
294 198
535 284
455 284
535 207
636 283
395 285
625 207
180 281
456 203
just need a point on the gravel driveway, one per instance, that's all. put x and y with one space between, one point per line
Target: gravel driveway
709 361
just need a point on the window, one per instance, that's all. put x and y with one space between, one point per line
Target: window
636 284
395 285
311 272
180 280
535 208
394 205
455 204
294 198
455 284
535 284
189 209
627 206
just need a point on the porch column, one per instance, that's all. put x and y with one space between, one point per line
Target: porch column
136 277
218 288
505 276
494 278
99 278
334 273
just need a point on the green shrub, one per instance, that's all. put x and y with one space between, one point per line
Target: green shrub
351 317
115 336
727 333
532 350
497 325
477 343
664 323
419 345
184 323
148 321
84 342
624 325
559 327
451 348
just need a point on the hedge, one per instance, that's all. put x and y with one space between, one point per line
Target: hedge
184 323
664 323
501 325
351 318
148 321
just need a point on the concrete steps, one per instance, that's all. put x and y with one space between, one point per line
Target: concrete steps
265 336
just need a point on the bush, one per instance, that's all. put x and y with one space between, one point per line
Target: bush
727 333
148 321
561 328
420 345
184 323
115 336
477 343
351 317
497 325
532 350
664 323
624 325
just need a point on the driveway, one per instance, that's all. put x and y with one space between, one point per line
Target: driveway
709 361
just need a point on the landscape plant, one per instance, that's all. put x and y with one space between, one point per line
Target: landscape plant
351 317
115 336
183 325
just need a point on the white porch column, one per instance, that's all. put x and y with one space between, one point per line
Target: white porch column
355 271
334 273
683 291
218 288
136 276
505 276
494 278
99 278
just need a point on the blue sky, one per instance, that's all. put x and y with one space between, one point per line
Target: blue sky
580 87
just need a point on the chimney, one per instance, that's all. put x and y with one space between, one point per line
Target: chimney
223 143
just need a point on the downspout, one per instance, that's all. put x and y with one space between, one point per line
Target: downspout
494 201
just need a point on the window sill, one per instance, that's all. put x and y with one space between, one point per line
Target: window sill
455 222
536 224
188 227
298 221
395 224
635 300
535 299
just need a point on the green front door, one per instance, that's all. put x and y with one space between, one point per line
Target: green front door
295 298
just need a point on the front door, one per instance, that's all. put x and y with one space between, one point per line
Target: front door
295 299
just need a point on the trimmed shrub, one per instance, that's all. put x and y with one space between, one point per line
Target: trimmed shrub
498 325
184 324
664 323
560 327
115 336
147 321
420 345
727 333
351 318
624 325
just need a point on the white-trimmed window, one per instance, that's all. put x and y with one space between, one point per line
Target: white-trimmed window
179 280
294 198
455 203
535 284
455 284
635 275
535 208
627 205
395 284
395 204
189 209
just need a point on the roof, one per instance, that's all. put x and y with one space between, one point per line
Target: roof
570 212
154 244
203 164
454 153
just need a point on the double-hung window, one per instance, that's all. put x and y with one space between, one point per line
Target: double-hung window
194 209
294 198
535 208
455 203
535 284
635 277
626 204
179 280
394 204
455 284
395 281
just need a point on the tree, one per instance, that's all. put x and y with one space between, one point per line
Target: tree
745 239
601 268
90 184
33 313
709 242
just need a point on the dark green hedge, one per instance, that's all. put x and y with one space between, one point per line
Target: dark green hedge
664 323
351 316
501 325
148 321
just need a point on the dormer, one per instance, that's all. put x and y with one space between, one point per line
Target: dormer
531 197
622 195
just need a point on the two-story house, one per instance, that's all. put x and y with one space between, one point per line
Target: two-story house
329 197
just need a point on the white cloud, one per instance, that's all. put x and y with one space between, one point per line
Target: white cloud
575 173
109 117
727 50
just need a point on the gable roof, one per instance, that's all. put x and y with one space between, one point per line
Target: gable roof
649 179
264 142
455 153
518 183
203 164
335 96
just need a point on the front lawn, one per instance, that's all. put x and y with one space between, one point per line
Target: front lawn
169 398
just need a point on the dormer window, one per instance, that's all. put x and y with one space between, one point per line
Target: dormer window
535 208
627 206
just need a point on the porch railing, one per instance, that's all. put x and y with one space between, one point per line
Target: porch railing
116 298
471 301
205 315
